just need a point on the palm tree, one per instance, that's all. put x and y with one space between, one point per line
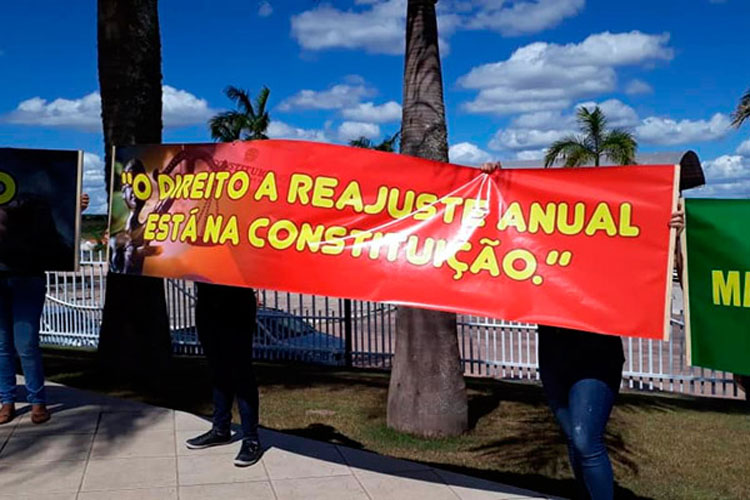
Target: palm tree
427 393
742 112
388 145
247 123
618 145
135 336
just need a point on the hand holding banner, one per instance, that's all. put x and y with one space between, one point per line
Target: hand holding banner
579 248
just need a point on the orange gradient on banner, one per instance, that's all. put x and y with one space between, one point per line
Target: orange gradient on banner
584 248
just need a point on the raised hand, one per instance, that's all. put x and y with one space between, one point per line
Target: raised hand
490 166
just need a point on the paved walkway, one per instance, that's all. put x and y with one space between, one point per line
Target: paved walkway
96 447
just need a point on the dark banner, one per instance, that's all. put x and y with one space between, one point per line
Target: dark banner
39 210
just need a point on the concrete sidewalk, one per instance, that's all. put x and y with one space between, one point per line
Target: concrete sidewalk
96 447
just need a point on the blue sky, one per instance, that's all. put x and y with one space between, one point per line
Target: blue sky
514 72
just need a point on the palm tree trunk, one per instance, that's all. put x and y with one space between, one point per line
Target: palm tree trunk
135 334
427 394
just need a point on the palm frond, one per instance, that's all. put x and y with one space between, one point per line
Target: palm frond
389 145
592 123
579 156
242 98
361 142
260 101
570 148
247 122
620 146
226 126
742 112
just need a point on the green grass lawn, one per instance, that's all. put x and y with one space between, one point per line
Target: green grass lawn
661 446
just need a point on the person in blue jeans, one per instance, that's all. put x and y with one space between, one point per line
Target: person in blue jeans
581 374
21 302
225 320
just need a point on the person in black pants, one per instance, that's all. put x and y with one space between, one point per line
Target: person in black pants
225 319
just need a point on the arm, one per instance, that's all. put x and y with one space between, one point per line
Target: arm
677 221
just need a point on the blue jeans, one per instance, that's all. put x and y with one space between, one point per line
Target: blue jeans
21 303
583 414
581 374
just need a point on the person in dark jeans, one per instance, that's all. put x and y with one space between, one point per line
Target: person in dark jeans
581 374
225 319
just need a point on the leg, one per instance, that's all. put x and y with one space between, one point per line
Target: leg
242 330
557 379
590 405
28 302
208 320
556 388
7 347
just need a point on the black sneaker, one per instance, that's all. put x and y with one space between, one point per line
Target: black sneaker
249 454
208 439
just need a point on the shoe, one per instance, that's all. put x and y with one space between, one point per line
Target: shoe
39 414
7 413
208 439
249 454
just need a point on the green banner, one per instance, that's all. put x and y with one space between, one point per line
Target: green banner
717 308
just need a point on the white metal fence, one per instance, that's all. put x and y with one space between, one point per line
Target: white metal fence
335 331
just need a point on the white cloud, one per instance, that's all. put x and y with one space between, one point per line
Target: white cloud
519 18
636 86
93 183
744 148
354 130
347 99
531 154
726 167
83 113
529 134
545 76
378 26
338 96
369 112
666 131
264 8
726 176
281 130
179 108
538 130
543 120
517 139
183 108
466 153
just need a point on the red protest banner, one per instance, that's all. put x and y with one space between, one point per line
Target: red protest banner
586 248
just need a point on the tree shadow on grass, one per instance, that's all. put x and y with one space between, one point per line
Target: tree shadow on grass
547 448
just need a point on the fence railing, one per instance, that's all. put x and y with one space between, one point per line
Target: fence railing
360 333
